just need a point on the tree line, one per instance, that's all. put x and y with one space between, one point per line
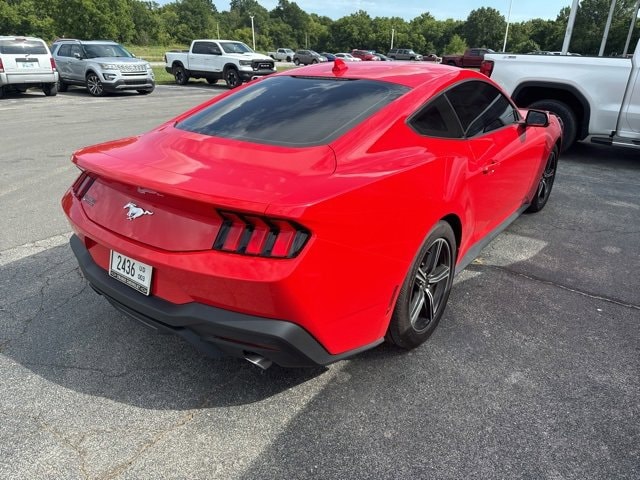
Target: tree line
139 22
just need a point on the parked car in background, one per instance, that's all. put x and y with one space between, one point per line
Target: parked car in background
347 57
365 55
472 57
26 62
384 58
329 56
228 60
101 66
432 57
305 57
282 55
404 54
248 224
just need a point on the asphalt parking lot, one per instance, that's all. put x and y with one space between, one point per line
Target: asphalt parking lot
533 372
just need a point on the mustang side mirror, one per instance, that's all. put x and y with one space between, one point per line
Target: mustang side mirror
537 118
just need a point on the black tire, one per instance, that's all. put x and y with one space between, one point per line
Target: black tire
296 61
212 81
62 86
452 63
289 59
232 77
180 75
50 89
314 61
2 91
94 85
543 190
424 293
567 119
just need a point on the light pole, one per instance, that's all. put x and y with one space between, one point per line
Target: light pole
253 33
506 33
393 31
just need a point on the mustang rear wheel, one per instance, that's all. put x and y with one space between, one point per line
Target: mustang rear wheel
424 293
546 183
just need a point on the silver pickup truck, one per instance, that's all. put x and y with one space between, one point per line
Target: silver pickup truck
596 98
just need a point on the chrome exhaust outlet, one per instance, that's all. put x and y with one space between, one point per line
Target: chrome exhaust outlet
255 77
258 360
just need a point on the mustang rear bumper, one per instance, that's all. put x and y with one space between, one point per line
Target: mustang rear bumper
213 330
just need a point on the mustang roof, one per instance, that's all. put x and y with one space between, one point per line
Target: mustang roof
410 74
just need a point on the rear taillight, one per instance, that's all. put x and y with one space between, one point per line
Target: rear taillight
53 64
260 236
82 185
1 66
486 67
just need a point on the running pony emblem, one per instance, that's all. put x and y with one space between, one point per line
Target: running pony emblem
135 211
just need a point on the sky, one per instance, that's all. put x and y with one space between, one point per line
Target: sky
441 9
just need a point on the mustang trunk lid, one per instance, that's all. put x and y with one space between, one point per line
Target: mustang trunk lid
163 189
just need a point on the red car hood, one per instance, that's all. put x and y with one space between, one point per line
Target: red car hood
217 171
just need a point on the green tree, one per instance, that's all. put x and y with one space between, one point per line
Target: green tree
456 46
485 27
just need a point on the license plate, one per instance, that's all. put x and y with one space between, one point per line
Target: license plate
133 273
27 64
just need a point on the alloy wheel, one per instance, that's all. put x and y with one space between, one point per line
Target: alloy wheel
430 285
94 85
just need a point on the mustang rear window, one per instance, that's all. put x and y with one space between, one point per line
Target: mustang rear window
22 47
293 111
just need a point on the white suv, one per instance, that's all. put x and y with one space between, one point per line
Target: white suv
101 66
26 62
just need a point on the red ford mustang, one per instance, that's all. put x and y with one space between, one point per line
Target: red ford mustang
310 215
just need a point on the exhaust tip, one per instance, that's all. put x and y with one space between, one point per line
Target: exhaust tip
258 360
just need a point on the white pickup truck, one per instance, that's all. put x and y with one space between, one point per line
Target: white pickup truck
282 55
595 97
229 60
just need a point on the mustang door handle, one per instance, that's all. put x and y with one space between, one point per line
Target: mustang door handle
489 167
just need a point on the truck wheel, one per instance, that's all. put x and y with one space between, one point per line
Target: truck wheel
289 59
566 116
232 77
180 74
452 63
297 61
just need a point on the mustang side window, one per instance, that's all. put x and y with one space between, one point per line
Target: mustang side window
481 107
437 119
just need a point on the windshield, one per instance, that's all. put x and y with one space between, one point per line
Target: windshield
235 47
22 47
106 50
293 111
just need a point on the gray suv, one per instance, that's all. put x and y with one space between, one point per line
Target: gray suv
307 56
403 54
100 66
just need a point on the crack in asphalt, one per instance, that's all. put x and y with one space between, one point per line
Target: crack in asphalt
584 293
62 440
124 466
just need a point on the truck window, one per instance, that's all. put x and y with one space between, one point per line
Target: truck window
205 48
